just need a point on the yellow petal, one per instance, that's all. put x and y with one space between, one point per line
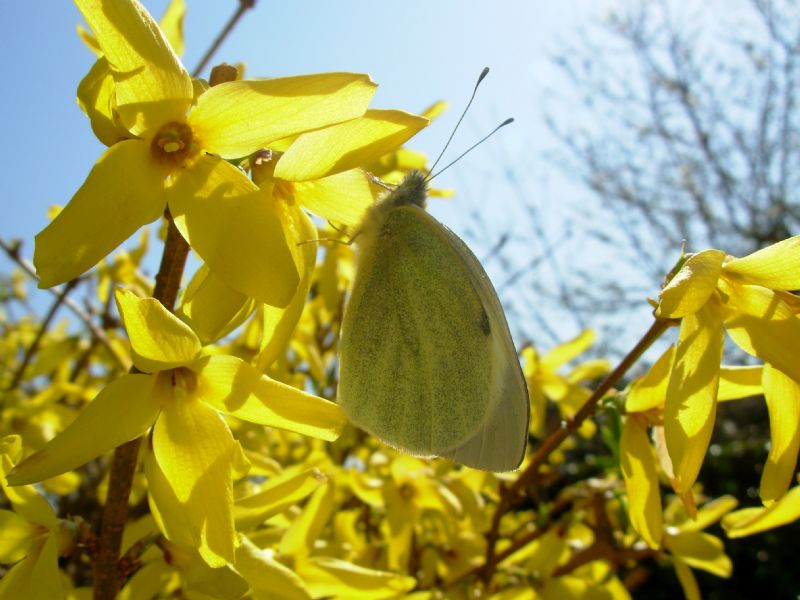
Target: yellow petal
237 118
589 370
159 340
171 24
692 286
538 409
45 576
650 391
641 482
37 576
277 494
783 403
18 533
348 145
331 577
749 521
267 577
776 266
340 198
761 324
152 86
169 513
298 541
25 499
211 307
279 323
701 551
194 449
691 400
123 191
146 582
96 99
691 591
710 513
225 218
559 355
739 382
121 412
234 387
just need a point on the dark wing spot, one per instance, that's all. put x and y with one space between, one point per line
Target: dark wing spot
485 327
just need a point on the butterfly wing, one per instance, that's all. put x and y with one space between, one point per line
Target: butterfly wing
499 444
427 360
416 347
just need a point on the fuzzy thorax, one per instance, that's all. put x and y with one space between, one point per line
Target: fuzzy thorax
412 191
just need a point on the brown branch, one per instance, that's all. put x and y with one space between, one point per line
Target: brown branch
513 494
244 6
107 576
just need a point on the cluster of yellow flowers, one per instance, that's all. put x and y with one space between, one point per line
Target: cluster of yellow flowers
247 482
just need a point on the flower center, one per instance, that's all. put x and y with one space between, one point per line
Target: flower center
174 143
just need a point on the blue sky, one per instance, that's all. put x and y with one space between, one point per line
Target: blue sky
418 52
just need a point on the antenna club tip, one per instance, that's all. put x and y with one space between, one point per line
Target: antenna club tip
483 74
508 121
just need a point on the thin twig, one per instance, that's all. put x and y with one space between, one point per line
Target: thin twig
514 493
244 6
82 315
43 327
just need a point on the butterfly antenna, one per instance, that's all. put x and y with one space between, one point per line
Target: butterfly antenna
468 150
481 77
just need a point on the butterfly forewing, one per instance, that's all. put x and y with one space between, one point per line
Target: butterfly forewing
416 348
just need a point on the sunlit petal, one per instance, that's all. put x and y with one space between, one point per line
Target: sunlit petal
298 541
233 386
776 266
782 394
234 229
641 481
122 411
279 323
762 325
650 391
237 118
739 382
710 513
159 340
152 86
340 198
96 99
749 521
194 449
701 551
211 307
268 578
277 494
690 405
561 354
123 191
332 577
692 286
348 145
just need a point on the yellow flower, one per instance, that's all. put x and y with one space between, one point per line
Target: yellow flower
748 298
545 382
33 538
689 546
181 393
640 462
175 158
